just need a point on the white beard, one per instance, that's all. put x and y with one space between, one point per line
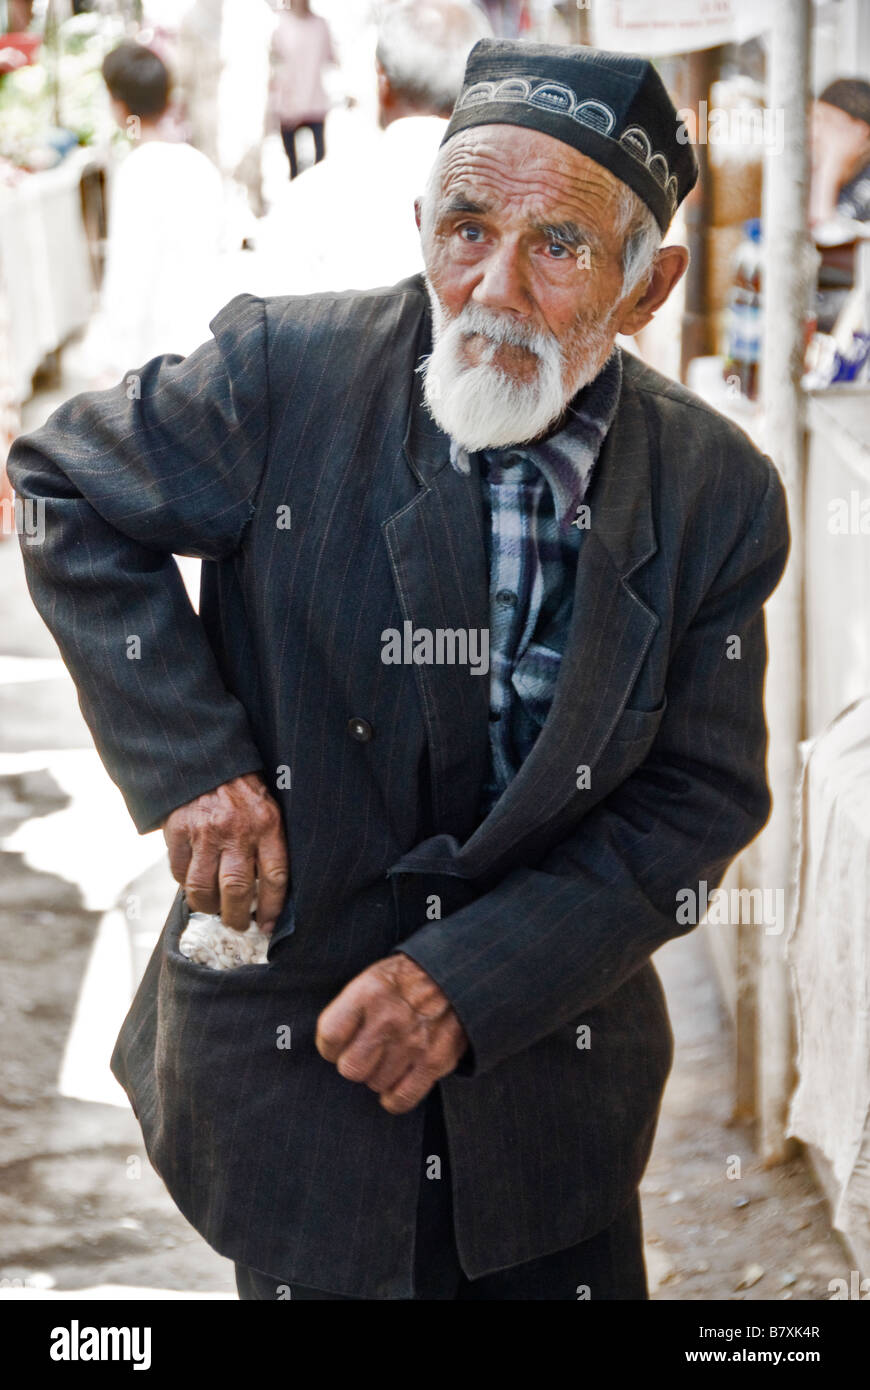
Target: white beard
482 407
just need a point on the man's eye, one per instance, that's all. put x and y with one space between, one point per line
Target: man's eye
558 251
469 232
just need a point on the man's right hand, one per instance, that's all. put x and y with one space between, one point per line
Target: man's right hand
225 844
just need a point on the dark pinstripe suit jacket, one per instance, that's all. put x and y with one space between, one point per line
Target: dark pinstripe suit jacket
549 909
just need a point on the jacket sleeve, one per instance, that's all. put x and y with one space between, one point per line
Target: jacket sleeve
114 483
548 943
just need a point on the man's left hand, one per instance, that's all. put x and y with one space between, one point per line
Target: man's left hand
393 1029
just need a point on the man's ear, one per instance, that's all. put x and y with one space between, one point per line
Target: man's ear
418 212
669 266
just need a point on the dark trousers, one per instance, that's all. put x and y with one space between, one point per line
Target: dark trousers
288 135
607 1266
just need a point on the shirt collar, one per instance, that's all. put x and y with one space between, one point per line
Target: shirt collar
567 457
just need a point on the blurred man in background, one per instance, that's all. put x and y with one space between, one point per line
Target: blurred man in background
307 242
301 50
840 152
839 200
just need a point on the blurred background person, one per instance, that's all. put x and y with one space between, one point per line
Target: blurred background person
307 241
840 152
839 199
301 50
166 213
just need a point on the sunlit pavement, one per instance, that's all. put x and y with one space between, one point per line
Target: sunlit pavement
80 1207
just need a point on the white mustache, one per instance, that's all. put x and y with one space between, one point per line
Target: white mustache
475 321
485 406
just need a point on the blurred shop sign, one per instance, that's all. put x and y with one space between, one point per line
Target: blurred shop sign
680 26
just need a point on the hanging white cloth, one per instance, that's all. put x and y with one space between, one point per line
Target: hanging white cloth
829 955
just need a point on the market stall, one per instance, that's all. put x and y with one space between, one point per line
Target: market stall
55 139
47 265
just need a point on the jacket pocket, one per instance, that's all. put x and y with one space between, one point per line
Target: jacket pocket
638 725
176 925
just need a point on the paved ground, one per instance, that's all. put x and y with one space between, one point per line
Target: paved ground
79 1204
717 1224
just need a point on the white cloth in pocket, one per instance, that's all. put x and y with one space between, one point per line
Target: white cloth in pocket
206 941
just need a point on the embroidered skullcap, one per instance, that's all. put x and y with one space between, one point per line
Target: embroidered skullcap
613 107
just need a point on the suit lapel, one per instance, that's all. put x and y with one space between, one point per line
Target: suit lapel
437 550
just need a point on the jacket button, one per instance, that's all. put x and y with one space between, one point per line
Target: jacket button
360 729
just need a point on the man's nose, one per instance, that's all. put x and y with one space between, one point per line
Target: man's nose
502 284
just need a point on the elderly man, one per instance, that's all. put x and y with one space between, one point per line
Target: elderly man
481 640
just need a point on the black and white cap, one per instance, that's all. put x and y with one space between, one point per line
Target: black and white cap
613 107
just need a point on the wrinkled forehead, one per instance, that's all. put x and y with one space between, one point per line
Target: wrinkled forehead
516 172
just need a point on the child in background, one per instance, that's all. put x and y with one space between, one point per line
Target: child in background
166 213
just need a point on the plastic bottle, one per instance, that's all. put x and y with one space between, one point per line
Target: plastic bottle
744 313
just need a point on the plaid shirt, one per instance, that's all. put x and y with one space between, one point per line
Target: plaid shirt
533 494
